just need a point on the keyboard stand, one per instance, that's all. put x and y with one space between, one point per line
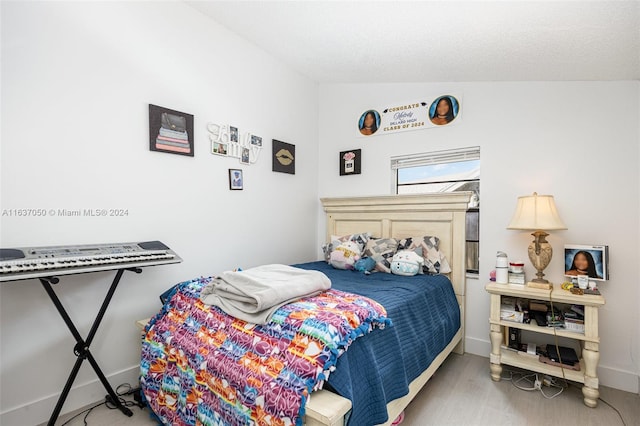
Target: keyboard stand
81 349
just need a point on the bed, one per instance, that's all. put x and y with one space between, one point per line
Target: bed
390 386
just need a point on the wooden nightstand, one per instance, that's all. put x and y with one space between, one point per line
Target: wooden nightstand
589 339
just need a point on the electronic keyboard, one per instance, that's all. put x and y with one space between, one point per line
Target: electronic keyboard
37 262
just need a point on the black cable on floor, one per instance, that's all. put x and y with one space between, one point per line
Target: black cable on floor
87 411
600 399
614 409
128 390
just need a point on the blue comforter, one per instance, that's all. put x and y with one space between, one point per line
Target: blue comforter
378 367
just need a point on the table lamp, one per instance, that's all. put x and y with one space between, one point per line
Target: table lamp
537 213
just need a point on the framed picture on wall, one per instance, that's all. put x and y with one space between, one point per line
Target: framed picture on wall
256 140
233 134
235 179
284 157
219 148
350 162
244 158
170 131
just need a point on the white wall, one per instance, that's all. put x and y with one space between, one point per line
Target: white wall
637 351
77 79
576 140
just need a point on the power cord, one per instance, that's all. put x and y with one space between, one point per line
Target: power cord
605 402
109 403
535 383
534 380
555 338
614 409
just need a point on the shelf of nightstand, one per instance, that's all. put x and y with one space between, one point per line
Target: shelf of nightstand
531 363
557 295
547 330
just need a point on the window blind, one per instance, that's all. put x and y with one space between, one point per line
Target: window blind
436 157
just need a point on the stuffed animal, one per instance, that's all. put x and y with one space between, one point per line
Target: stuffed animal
345 255
406 262
366 265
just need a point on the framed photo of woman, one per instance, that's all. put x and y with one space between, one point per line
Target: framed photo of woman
586 260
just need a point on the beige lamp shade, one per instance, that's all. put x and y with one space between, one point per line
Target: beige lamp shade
536 212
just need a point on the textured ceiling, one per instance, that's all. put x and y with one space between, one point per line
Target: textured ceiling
422 41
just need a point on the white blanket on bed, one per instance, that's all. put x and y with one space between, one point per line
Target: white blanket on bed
253 295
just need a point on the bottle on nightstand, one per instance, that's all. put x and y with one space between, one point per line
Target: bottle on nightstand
502 268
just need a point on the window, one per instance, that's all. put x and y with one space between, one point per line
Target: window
444 171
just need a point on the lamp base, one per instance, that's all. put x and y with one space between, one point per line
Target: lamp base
540 280
544 286
540 253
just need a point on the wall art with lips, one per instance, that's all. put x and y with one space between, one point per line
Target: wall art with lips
284 157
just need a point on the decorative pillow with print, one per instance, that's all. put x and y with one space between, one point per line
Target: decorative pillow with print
435 261
411 243
381 250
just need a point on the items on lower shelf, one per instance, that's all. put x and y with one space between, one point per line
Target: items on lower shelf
569 317
559 356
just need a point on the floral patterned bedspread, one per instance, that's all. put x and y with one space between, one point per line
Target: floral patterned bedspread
201 366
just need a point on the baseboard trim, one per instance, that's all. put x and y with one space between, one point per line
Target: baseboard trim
39 411
627 381
477 346
619 379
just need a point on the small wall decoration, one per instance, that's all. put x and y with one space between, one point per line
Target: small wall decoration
227 141
170 131
233 134
219 148
284 157
586 260
350 162
235 179
244 159
256 140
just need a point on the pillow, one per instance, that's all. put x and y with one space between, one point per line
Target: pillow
345 255
411 243
407 263
360 239
435 261
381 250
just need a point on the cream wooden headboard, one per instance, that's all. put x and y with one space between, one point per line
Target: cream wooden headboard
401 216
